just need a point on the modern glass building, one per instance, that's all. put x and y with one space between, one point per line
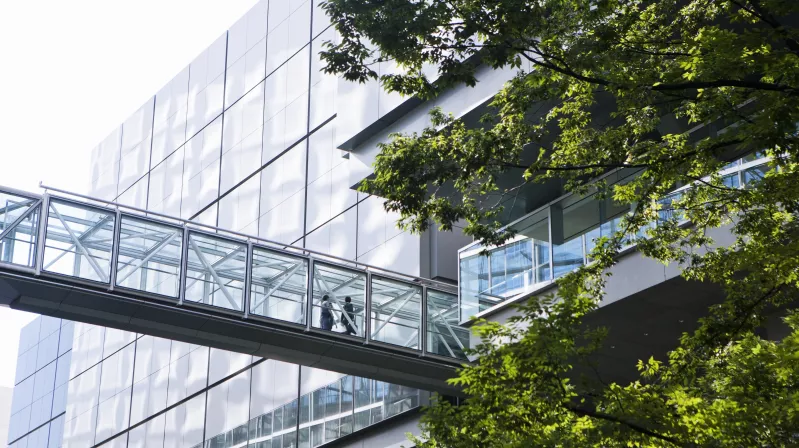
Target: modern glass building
252 137
247 138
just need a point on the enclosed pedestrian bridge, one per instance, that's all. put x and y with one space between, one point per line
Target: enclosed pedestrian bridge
78 258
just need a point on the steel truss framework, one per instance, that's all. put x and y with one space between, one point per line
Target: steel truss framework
166 259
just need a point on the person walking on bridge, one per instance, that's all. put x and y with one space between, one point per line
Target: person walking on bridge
326 318
349 309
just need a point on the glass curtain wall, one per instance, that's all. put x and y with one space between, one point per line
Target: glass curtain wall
80 385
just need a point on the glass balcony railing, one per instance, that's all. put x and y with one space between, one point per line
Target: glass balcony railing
557 239
153 256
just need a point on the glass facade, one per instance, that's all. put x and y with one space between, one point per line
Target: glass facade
80 385
243 138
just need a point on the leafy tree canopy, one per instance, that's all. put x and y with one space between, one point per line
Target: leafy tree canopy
676 89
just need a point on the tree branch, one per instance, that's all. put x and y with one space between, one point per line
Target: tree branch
758 11
755 85
611 418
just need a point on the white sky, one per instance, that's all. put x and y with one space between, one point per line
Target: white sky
70 71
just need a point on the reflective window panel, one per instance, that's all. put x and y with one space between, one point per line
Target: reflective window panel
78 241
611 213
227 415
668 208
19 222
444 336
396 312
473 284
569 223
215 272
273 402
326 406
731 180
279 286
751 157
755 174
149 257
331 311
487 280
185 423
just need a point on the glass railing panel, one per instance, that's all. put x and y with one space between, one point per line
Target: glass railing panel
487 280
590 238
570 221
606 229
529 266
339 299
19 226
755 174
473 283
668 209
568 256
215 271
751 157
149 256
279 286
731 165
396 312
444 336
731 180
78 241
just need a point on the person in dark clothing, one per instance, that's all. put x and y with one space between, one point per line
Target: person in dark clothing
348 323
326 319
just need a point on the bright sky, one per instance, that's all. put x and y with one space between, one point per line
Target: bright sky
71 72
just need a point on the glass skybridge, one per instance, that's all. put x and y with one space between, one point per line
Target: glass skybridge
79 258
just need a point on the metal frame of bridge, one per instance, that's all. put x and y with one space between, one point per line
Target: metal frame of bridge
105 263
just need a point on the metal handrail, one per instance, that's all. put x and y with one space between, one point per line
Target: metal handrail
109 271
251 237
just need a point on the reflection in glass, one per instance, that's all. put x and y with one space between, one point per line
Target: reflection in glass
337 284
149 256
332 399
755 174
396 312
322 414
215 272
305 409
487 280
731 165
568 256
444 336
473 283
668 208
278 286
731 181
277 423
611 212
19 222
569 223
512 268
227 417
751 157
346 394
